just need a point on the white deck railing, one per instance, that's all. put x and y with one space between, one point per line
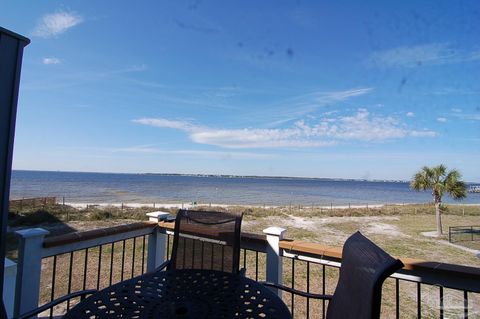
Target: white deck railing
275 249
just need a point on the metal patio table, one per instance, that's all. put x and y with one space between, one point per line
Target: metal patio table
183 294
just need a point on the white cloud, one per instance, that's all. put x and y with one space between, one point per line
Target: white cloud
456 110
410 114
423 54
181 125
441 119
51 60
256 138
57 23
360 126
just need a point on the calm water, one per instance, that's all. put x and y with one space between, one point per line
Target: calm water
142 188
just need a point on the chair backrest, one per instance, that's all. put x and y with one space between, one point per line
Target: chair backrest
365 266
206 240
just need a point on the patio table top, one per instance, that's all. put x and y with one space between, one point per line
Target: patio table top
183 294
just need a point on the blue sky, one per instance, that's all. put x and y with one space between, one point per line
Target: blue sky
341 89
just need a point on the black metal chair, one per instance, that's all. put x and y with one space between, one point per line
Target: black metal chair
206 240
33 313
358 294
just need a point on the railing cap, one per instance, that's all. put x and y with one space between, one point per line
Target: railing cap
275 231
94 233
298 246
158 215
167 224
32 232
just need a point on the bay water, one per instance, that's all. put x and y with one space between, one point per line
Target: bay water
83 187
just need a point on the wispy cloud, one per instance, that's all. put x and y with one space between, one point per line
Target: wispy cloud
326 97
410 114
456 110
424 54
468 116
54 24
65 80
361 126
424 133
453 91
164 123
441 119
299 106
51 60
128 69
473 117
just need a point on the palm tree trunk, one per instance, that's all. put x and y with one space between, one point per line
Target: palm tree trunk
438 216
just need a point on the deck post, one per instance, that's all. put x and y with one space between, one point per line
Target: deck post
9 276
27 287
157 249
157 242
274 260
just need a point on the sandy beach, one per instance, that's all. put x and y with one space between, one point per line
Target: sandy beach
193 205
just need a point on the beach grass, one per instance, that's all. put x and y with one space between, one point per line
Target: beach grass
318 224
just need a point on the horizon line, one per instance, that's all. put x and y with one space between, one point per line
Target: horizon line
224 175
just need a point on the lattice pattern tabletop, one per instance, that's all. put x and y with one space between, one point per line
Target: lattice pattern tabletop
183 294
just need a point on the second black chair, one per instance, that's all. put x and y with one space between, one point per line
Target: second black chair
358 294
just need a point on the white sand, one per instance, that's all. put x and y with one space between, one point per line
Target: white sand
384 229
190 205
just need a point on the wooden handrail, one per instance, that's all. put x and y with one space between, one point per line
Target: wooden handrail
167 225
319 250
75 237
411 264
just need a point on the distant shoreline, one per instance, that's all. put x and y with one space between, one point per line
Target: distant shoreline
328 179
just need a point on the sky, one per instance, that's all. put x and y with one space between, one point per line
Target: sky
333 89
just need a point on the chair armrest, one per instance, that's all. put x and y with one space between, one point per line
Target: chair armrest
295 291
162 266
242 272
55 302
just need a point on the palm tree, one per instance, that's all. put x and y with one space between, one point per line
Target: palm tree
440 182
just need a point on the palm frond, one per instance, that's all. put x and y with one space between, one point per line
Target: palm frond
438 172
459 191
452 177
421 181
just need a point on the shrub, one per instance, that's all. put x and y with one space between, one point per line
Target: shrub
36 217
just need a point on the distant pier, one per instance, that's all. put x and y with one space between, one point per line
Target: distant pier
474 189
